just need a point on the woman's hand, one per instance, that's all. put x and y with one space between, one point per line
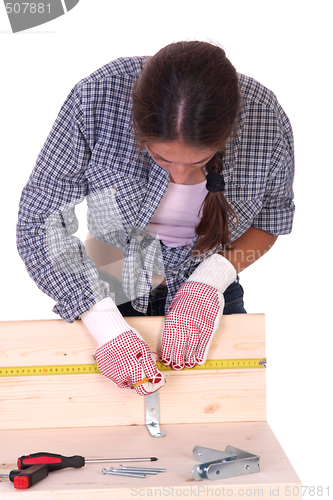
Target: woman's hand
126 360
123 356
193 317
194 314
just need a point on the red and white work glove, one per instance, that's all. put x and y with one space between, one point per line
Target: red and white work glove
123 356
194 314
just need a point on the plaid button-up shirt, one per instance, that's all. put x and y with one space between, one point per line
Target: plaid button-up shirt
91 152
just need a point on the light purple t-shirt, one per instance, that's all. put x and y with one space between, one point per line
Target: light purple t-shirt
178 213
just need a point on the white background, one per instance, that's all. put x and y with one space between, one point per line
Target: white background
287 46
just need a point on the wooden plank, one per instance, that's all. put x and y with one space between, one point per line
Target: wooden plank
57 342
275 479
92 400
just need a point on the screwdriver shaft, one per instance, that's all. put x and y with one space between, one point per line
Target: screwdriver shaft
99 460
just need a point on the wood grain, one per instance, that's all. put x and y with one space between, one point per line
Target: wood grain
57 342
90 416
92 400
174 453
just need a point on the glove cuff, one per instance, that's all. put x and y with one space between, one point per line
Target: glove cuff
215 271
105 322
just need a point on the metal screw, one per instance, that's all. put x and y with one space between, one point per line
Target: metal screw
148 470
120 473
136 470
247 467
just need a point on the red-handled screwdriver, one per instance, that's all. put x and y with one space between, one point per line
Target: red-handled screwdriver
52 460
29 477
57 462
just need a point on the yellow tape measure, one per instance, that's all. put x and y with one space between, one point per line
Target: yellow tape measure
24 371
223 364
212 364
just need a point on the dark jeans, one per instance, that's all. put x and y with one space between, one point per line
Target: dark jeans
233 297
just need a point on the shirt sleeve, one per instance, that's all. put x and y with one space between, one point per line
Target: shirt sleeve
55 259
277 213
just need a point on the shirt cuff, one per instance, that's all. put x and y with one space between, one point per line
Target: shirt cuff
105 322
215 271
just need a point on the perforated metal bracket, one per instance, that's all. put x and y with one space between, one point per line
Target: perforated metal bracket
219 465
152 412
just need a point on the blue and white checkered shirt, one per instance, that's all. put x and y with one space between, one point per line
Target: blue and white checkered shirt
91 152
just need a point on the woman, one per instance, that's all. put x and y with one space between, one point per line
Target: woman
187 168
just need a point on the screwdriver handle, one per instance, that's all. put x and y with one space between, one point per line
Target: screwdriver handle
32 473
52 460
25 479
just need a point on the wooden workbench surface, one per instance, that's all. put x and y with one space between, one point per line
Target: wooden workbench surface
174 453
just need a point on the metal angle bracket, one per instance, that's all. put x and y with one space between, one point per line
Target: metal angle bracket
219 465
152 412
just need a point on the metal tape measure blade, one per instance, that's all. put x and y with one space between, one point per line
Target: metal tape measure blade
25 371
81 369
223 364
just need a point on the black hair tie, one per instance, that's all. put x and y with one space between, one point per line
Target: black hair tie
215 182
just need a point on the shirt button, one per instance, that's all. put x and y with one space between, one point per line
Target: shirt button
113 190
139 238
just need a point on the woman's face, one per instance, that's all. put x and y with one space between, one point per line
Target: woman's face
184 163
